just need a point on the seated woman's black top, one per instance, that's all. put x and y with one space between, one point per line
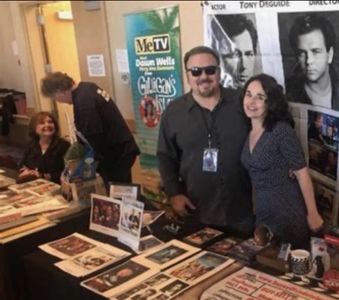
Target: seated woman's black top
51 162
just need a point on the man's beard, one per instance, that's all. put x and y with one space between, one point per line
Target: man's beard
208 92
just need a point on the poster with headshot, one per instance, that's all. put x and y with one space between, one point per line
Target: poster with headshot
296 43
309 55
234 37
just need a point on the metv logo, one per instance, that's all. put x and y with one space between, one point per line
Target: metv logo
152 44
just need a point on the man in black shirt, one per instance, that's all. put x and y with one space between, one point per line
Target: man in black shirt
98 118
200 140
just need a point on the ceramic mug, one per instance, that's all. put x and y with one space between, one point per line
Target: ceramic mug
300 262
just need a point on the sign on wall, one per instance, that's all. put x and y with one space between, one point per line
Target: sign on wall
297 43
153 46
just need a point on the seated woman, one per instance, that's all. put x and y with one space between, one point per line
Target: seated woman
274 158
44 157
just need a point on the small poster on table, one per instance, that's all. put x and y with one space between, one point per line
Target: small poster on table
105 215
130 222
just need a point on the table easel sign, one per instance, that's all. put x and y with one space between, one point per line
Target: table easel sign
130 222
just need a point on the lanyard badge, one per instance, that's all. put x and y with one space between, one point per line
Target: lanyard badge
210 157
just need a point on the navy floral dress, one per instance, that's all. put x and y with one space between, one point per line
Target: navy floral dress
279 201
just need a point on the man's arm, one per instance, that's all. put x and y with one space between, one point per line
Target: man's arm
168 154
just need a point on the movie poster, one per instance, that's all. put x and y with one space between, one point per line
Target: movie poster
296 42
153 46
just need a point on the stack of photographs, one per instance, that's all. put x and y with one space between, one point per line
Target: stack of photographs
39 187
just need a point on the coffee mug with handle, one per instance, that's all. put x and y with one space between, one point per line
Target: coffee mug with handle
300 262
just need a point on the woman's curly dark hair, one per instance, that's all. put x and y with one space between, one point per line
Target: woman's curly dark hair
276 102
35 121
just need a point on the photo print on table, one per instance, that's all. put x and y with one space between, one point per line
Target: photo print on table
118 279
92 260
69 246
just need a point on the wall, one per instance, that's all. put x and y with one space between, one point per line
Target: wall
91 36
191 26
9 64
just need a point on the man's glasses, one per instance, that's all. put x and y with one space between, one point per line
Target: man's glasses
197 71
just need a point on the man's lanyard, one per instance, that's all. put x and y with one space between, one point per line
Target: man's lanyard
208 128
210 155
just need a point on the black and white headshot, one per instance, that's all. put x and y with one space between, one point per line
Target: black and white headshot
310 68
235 38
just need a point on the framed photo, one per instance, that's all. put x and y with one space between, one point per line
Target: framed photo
203 236
119 191
166 255
105 215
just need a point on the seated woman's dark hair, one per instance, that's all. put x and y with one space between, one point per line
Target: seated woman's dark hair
276 102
